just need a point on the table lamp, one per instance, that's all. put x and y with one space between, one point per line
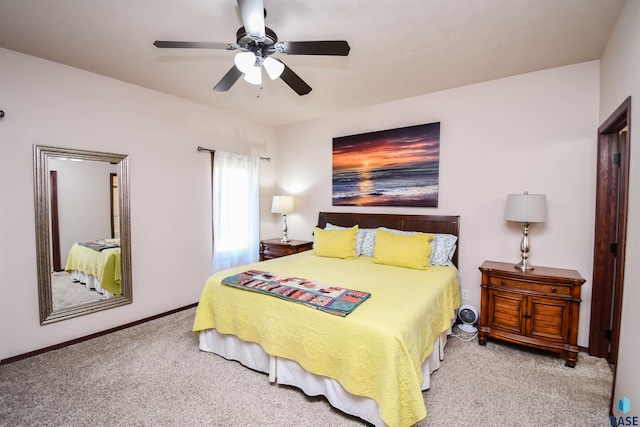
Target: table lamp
526 209
283 205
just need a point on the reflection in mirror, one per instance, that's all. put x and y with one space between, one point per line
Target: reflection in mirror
82 232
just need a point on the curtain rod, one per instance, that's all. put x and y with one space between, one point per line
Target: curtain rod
213 151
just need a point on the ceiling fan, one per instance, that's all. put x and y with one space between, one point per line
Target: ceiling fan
256 44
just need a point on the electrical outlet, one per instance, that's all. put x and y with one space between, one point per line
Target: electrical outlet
465 294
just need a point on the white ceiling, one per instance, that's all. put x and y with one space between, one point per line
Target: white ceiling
399 48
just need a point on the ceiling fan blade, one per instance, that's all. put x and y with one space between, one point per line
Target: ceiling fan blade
252 12
194 45
294 81
327 47
228 80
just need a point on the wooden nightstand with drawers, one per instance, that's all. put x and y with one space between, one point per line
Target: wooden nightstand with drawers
274 248
538 308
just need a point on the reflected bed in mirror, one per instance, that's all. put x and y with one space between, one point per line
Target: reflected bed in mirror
82 231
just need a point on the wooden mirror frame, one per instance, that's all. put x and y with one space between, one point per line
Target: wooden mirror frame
41 156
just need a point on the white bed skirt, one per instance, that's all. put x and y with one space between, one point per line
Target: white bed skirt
90 282
285 371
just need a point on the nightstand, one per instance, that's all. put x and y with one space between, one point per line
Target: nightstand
274 248
538 308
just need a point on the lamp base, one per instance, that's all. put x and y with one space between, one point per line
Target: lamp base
524 265
284 239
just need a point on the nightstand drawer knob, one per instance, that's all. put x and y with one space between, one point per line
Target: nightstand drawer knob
502 282
554 290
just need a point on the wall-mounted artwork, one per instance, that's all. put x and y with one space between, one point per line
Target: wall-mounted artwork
395 167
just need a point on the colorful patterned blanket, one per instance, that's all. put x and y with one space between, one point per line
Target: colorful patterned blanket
330 299
100 245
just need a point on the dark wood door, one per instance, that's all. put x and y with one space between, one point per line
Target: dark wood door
612 190
55 228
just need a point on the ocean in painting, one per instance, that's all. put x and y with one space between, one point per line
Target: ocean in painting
415 186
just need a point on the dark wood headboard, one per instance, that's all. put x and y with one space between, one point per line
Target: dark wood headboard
442 224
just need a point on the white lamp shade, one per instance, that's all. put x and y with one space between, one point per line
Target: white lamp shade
254 76
526 208
245 61
282 204
274 67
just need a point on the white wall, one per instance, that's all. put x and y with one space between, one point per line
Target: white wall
534 132
620 71
52 104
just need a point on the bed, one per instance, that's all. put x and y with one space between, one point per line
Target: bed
97 265
374 362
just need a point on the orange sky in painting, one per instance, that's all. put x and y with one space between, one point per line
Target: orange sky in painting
381 151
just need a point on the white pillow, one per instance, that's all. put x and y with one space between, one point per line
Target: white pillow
442 249
366 242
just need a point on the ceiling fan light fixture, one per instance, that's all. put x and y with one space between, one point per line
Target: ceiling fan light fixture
245 61
254 76
274 67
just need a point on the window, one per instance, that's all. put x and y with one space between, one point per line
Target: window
235 210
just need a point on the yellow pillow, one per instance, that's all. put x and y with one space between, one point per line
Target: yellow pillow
403 250
335 243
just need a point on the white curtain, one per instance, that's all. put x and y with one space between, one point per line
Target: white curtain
235 210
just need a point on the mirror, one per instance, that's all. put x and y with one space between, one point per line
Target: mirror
83 236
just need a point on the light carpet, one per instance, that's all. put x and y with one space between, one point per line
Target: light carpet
154 375
67 293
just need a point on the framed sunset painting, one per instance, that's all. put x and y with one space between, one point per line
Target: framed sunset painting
395 167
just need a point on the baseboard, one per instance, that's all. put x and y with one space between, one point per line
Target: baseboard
92 336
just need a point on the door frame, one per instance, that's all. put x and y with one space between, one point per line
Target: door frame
612 198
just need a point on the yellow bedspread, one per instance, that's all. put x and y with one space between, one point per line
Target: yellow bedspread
103 265
376 351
